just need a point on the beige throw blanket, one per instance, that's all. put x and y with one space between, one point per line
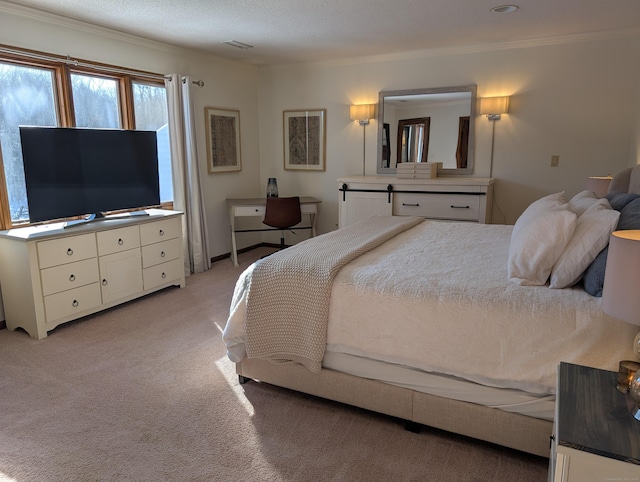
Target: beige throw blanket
288 298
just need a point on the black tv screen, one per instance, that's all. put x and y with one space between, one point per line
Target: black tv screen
75 172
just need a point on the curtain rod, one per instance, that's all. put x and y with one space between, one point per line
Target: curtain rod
77 63
199 83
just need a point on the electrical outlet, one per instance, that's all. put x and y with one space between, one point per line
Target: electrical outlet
555 160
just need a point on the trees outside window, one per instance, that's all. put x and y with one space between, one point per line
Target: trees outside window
95 102
27 97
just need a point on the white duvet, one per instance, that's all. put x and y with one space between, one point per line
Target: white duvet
437 298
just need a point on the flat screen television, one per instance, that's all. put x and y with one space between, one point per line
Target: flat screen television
76 172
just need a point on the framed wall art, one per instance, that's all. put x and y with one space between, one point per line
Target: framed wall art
304 139
223 139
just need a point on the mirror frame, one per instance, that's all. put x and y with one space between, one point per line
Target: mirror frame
472 88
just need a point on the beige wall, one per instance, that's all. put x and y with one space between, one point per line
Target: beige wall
577 99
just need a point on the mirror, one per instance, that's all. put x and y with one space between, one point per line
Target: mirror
427 125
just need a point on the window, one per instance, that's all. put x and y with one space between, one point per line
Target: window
95 102
52 93
27 97
150 109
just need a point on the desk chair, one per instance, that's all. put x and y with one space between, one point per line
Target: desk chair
282 213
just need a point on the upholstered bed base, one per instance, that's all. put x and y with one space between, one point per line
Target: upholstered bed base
508 429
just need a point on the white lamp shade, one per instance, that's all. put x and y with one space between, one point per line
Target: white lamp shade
494 105
362 112
621 290
598 184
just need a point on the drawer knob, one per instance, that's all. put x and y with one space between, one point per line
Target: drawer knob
415 205
164 275
120 242
104 282
75 303
69 252
72 277
161 232
162 255
459 207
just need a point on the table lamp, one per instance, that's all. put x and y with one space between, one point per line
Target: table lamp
598 185
621 290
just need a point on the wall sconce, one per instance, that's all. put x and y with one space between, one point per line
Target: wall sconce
620 291
361 114
598 185
494 107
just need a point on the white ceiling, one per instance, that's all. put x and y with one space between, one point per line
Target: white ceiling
287 31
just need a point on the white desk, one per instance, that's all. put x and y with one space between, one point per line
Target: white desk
255 207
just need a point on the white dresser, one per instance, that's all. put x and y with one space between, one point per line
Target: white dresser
447 198
50 274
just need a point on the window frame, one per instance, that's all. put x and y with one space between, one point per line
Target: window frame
61 68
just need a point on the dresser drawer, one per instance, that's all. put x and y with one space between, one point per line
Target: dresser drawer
66 250
160 252
117 240
463 207
162 273
160 231
69 276
72 302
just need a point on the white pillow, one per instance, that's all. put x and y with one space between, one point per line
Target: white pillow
539 237
582 201
590 237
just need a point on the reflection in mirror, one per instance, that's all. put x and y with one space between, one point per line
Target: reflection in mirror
413 139
427 125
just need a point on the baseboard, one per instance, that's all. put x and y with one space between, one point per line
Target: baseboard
244 250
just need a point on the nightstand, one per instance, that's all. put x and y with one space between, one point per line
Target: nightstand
595 436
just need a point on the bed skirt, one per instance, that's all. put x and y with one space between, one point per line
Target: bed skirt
520 432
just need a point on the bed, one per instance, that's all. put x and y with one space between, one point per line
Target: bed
435 322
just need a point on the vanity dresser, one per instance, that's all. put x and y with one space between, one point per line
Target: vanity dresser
454 198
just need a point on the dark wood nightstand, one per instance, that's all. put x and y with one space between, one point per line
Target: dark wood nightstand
595 436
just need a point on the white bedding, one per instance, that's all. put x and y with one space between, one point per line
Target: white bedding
437 298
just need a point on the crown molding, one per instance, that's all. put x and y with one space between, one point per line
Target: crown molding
66 22
479 48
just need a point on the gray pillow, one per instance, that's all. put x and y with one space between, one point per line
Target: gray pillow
593 278
619 200
630 216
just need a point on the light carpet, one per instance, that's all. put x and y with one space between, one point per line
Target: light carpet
144 392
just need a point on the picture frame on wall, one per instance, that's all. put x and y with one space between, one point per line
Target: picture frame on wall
223 139
304 139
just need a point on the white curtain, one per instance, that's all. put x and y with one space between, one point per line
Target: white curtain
187 193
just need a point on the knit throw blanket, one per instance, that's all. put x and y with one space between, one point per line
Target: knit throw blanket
289 291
